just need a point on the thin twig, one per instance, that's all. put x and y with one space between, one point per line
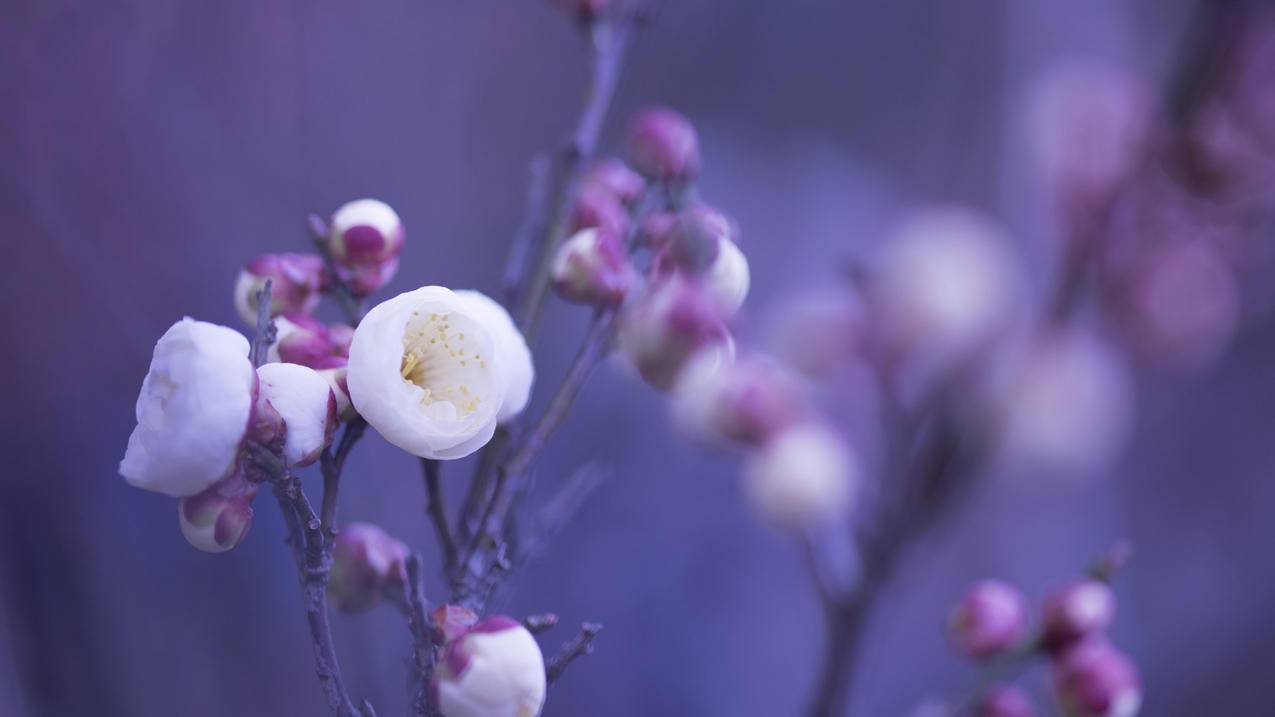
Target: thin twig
265 335
437 512
581 645
541 623
331 464
422 629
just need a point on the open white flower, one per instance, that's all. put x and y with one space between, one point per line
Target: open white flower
305 402
494 669
513 358
193 410
432 369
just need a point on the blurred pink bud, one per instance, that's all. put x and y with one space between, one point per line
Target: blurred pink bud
1069 405
657 230
1004 701
1090 123
1254 88
592 268
614 176
304 340
365 279
990 620
365 560
598 209
1076 611
1184 303
674 321
803 477
295 283
585 9
452 621
365 232
1094 679
945 285
218 519
663 145
700 244
747 403
818 332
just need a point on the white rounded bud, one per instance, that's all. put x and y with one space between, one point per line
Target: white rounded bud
365 232
494 669
803 476
727 278
307 406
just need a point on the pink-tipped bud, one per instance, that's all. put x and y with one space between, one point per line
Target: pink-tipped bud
305 402
304 340
746 403
673 322
1077 611
365 560
1004 701
492 669
295 280
598 209
1094 679
452 621
663 145
613 176
990 620
218 519
265 427
592 268
365 232
336 378
656 230
365 279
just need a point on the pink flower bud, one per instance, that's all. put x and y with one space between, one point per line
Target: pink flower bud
365 232
1004 701
600 209
365 279
1076 611
670 324
304 340
663 145
365 560
592 268
747 403
1094 679
613 176
694 242
656 230
218 519
990 620
493 669
295 283
453 621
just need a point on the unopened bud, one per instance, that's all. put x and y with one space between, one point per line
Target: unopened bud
1076 611
493 669
218 519
1094 679
365 560
336 378
599 209
304 340
663 145
295 280
801 477
304 400
672 323
365 279
613 176
592 268
365 232
1004 701
990 620
748 402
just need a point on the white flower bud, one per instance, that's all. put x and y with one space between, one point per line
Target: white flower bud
193 410
433 371
307 406
218 519
945 284
746 402
803 476
513 357
295 280
494 669
727 278
592 268
365 232
671 324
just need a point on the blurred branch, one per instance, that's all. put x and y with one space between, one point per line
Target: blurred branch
537 624
438 512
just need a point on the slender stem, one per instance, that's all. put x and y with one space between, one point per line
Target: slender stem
540 623
581 645
438 512
331 464
265 335
423 647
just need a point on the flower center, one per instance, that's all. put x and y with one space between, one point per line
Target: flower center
441 356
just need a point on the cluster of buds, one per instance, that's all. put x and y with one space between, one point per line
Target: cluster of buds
366 563
201 409
491 667
1090 676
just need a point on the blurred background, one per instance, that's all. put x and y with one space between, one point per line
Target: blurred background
148 149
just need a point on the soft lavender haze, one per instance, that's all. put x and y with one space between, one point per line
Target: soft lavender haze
148 149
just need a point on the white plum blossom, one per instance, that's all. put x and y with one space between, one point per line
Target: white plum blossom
434 370
513 357
494 669
801 477
306 403
193 410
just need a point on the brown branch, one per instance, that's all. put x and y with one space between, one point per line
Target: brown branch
331 465
423 647
437 512
266 333
581 645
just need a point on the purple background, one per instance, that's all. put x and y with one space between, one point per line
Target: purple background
148 148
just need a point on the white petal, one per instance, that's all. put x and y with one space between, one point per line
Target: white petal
727 280
192 411
505 677
512 355
304 400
